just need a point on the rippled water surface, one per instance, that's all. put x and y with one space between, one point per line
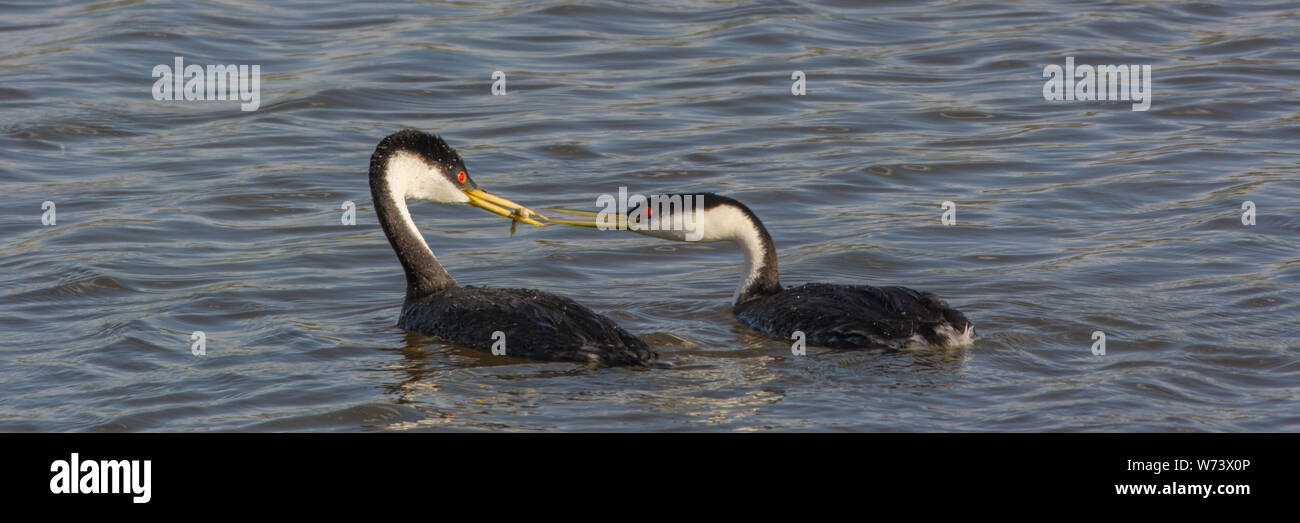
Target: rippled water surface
1072 217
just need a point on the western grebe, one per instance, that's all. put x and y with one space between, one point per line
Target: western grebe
416 165
836 316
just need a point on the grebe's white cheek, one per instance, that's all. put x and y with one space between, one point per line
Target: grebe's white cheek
726 224
671 235
435 187
411 177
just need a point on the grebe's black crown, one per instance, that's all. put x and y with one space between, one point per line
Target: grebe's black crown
427 146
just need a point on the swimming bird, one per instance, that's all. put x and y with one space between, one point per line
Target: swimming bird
828 315
416 165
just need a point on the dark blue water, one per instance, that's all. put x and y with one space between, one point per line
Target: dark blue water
1072 217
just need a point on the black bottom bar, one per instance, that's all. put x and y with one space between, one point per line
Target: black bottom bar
747 471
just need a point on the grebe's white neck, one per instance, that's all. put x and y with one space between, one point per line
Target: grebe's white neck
733 224
393 179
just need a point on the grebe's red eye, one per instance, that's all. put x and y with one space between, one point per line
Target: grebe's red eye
461 176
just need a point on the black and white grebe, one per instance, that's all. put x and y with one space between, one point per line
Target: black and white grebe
829 315
416 165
